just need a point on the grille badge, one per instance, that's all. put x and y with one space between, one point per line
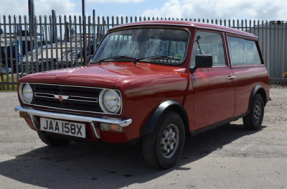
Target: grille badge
61 97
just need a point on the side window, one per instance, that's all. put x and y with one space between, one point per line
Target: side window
237 51
243 52
208 43
252 53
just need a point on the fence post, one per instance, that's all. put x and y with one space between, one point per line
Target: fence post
61 42
56 40
6 57
81 44
11 57
76 42
51 39
270 50
1 68
285 59
35 46
17 45
41 37
84 30
89 36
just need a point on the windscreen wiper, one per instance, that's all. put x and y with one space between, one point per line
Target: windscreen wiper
158 57
117 57
135 60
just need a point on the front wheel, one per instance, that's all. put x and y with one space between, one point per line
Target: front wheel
163 147
253 120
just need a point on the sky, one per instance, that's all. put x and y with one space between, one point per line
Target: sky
199 9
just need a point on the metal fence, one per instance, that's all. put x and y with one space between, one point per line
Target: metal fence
53 42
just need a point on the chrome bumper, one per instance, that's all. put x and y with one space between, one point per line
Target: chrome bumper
91 120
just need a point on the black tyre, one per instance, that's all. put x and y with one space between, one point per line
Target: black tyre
253 120
52 141
163 147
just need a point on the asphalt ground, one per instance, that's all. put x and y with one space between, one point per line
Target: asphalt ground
227 157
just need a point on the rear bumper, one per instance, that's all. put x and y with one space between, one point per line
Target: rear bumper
86 119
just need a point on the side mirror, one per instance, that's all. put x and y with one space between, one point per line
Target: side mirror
202 61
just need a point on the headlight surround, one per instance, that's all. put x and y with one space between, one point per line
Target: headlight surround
26 93
110 101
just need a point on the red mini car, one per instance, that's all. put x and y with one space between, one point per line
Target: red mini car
151 82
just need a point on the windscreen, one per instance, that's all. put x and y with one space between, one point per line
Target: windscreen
159 45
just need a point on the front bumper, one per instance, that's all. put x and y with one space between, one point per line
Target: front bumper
86 119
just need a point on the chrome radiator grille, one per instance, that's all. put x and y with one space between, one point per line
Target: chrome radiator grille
76 98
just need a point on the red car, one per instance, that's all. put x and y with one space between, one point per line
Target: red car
151 82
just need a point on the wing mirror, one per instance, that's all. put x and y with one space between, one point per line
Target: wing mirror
202 61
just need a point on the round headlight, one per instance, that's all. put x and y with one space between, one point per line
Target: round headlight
110 101
26 93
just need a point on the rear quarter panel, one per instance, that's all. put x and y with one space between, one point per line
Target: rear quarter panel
246 80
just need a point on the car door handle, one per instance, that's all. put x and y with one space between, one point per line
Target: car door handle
231 77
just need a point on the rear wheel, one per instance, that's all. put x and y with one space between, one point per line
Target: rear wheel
52 141
253 120
163 147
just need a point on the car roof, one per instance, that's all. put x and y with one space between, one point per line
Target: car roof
185 24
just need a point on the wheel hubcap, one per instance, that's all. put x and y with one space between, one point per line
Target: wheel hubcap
257 111
169 140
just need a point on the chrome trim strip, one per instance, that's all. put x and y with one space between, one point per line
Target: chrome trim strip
91 98
117 121
39 94
95 101
67 97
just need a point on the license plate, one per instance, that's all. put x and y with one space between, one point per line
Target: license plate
63 127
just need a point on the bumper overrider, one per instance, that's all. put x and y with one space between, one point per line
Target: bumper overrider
93 121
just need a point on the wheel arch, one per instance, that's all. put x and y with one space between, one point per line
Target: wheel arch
171 105
258 89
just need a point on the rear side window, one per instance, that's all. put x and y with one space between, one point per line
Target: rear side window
208 43
243 52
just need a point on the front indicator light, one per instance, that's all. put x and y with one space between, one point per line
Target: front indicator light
25 115
111 127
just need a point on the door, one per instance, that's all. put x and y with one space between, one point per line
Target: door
213 88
